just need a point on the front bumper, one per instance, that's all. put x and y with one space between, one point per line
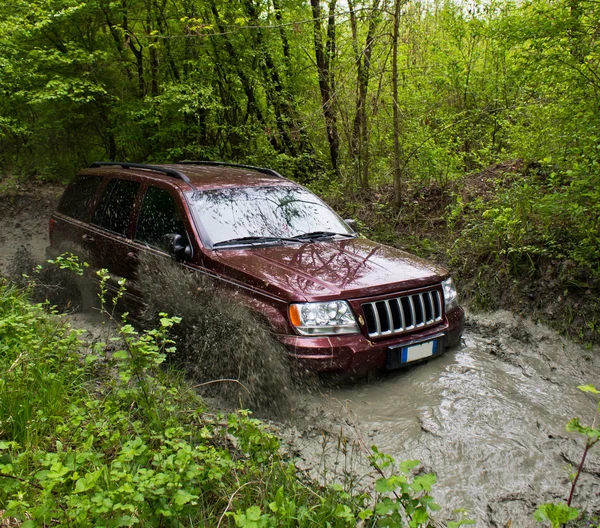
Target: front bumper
356 354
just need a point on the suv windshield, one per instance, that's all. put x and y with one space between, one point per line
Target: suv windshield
251 215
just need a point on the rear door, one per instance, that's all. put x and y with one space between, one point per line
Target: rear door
160 214
110 233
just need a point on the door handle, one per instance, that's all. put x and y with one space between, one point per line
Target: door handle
88 238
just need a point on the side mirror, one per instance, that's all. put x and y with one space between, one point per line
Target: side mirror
177 247
352 223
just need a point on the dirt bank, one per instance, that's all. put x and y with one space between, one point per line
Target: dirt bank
488 417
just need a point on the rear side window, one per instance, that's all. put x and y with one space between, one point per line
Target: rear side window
159 216
114 210
77 197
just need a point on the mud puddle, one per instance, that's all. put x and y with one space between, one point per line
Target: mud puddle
488 417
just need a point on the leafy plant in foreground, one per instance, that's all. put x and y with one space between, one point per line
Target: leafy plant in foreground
403 498
558 514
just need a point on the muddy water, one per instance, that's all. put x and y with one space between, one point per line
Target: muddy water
488 418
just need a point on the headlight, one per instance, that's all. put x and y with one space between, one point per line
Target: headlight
450 294
323 318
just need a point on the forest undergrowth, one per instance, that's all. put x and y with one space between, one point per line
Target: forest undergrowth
522 236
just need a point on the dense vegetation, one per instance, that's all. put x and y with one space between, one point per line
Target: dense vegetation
387 101
311 87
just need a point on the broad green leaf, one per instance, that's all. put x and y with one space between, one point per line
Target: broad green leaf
384 485
343 512
574 426
183 497
424 482
557 514
253 513
419 517
408 465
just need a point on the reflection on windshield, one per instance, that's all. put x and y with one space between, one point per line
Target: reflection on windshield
228 214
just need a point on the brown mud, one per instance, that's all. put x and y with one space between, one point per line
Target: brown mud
488 417
223 346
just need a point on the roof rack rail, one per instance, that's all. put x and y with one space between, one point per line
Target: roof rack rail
270 172
165 170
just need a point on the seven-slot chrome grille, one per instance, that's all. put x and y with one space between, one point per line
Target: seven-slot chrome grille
401 314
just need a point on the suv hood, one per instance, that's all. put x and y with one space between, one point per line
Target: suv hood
323 270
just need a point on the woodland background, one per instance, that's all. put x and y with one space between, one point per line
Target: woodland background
465 131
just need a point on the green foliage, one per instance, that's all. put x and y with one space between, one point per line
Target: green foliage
537 215
403 498
537 223
160 82
27 355
70 262
557 514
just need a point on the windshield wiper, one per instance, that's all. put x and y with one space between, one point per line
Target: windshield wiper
250 240
314 235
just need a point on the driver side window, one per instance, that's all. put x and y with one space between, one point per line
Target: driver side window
159 216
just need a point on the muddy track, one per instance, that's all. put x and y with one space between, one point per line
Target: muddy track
488 417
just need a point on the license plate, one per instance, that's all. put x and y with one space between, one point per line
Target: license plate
398 356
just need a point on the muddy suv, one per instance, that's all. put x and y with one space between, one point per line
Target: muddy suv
338 302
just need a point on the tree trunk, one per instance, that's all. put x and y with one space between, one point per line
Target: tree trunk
324 59
360 131
137 50
277 97
246 82
398 177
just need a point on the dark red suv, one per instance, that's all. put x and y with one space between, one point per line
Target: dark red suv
337 301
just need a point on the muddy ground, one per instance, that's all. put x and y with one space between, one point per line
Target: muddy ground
488 417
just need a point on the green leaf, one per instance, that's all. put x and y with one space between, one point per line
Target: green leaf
574 426
419 517
558 514
588 388
408 465
384 506
424 482
343 512
253 513
183 497
384 485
